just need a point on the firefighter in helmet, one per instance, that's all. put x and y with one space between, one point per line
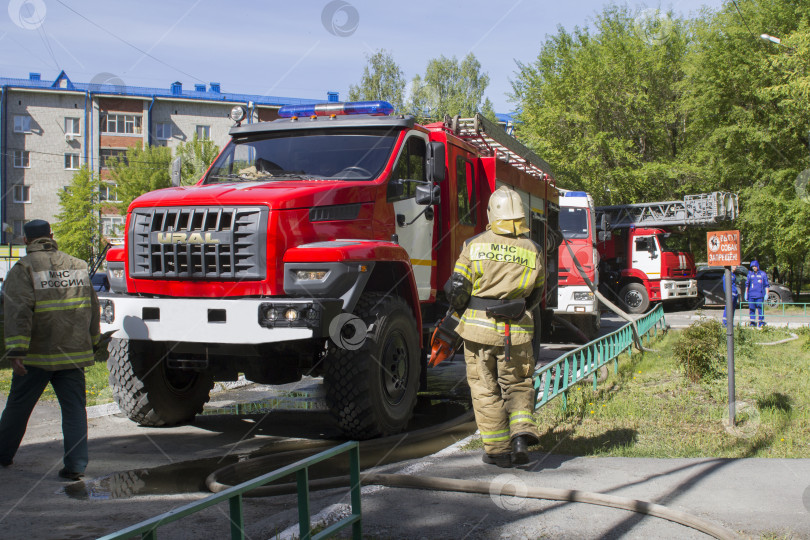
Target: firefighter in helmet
497 279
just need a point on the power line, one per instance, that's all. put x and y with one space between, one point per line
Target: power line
122 40
743 19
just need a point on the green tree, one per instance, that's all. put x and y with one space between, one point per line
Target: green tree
382 79
602 106
77 228
450 88
142 170
748 118
196 156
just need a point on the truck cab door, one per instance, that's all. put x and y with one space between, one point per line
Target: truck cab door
414 225
646 256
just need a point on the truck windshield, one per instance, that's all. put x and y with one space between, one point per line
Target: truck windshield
674 243
335 154
574 223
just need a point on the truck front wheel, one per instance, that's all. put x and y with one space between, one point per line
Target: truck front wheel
148 391
371 391
634 296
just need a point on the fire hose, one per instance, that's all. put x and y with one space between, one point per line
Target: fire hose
216 482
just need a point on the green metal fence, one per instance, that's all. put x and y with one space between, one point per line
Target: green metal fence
148 529
557 377
785 311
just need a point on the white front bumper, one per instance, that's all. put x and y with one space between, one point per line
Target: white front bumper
567 304
190 320
671 289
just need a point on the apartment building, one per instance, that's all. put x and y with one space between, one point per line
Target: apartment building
49 129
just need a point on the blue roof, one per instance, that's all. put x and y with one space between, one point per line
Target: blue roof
146 92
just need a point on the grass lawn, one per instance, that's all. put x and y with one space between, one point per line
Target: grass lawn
649 409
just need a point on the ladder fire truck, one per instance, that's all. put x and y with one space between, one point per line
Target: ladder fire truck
315 244
626 250
642 261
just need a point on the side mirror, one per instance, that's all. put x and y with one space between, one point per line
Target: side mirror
175 172
604 223
435 162
603 236
428 195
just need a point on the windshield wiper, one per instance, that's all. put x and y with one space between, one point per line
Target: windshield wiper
263 176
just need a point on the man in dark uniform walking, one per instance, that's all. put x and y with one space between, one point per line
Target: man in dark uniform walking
499 271
51 331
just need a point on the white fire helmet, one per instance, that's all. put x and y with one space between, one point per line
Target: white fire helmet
505 212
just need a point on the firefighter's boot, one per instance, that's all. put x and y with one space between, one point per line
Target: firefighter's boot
501 460
520 450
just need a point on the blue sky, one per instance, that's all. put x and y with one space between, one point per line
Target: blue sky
293 49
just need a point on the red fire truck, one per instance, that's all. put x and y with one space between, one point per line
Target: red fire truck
633 258
315 244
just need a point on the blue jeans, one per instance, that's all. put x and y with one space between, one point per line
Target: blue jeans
755 304
25 392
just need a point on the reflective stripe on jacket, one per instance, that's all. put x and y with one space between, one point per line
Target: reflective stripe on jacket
503 267
51 309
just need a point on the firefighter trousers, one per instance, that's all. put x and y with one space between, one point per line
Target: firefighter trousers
502 393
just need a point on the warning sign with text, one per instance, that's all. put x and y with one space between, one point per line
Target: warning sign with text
723 248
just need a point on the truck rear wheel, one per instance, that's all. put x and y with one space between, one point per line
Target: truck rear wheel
148 391
371 391
634 296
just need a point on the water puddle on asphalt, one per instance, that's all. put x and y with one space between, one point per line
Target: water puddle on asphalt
434 426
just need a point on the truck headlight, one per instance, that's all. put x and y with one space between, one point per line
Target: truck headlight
669 285
583 296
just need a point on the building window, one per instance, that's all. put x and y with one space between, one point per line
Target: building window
22 159
22 123
163 131
22 194
203 132
72 126
71 161
107 156
108 192
18 227
121 124
111 226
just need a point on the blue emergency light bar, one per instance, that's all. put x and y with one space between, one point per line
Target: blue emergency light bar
576 194
377 108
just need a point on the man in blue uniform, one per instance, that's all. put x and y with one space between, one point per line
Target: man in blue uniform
756 291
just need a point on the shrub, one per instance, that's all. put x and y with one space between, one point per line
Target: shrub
700 349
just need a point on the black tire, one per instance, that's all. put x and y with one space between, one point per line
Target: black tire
371 391
634 297
150 393
773 300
